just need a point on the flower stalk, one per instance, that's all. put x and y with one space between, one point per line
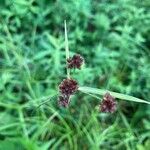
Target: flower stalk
66 49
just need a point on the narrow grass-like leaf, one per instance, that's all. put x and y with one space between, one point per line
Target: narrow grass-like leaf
116 95
67 48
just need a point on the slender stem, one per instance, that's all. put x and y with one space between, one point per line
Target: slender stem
66 48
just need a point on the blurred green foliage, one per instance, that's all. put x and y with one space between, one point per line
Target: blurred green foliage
112 35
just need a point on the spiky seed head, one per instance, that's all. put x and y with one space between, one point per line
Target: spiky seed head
68 87
75 62
108 104
63 101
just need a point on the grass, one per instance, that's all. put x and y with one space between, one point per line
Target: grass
113 37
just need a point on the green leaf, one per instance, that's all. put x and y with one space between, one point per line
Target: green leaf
116 95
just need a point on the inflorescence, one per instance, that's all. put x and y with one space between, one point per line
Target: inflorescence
75 62
69 86
108 104
63 100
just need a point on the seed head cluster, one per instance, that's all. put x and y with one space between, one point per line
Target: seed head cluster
63 101
68 87
108 104
75 62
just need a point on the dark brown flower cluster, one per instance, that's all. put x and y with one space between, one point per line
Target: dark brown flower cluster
63 101
67 88
75 62
108 104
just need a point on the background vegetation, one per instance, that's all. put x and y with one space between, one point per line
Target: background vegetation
112 35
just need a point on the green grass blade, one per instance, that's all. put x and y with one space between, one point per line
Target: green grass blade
117 95
66 48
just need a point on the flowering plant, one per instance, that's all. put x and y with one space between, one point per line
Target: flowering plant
69 86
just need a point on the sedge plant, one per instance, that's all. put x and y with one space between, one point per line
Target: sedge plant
69 86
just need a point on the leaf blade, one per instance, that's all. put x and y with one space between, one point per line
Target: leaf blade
115 94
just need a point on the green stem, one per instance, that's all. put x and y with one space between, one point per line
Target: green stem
66 49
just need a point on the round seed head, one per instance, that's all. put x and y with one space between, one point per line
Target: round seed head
68 87
108 104
75 62
63 101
